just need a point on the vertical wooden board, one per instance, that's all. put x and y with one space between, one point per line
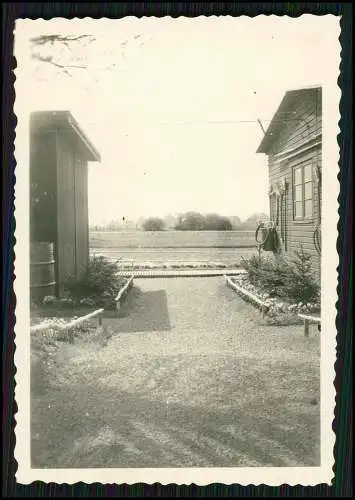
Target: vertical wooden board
43 186
81 212
66 264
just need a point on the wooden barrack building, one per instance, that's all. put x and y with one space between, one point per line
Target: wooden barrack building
293 145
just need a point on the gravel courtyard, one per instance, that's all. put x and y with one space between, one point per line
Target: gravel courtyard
189 379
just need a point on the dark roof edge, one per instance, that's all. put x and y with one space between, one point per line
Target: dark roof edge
266 140
83 137
66 119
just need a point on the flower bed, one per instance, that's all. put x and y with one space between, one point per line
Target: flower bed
278 310
98 287
66 329
285 283
173 265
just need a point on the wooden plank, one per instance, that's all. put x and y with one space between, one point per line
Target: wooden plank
43 326
43 187
306 320
81 213
66 230
79 321
306 327
67 326
308 317
122 291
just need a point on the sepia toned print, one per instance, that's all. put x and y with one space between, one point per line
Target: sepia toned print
176 249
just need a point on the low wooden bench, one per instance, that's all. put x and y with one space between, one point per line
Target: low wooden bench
308 319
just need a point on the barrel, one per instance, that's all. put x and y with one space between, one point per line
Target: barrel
42 270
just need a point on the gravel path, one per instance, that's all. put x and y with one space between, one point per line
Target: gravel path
189 379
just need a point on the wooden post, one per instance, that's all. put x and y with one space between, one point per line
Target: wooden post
71 336
306 327
262 311
100 319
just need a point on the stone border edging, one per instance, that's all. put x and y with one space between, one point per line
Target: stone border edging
253 298
67 326
122 292
145 273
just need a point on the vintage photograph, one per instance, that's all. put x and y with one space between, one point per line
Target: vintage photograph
180 198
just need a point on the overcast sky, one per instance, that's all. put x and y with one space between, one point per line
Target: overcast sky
174 117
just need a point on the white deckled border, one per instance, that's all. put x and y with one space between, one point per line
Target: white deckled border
272 476
254 299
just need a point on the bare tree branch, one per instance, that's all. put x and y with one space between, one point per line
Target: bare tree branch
49 59
43 50
43 39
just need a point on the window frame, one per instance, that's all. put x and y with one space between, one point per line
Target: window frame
303 217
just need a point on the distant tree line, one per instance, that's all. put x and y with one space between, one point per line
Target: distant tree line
195 221
153 224
189 221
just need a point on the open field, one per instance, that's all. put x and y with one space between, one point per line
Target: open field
162 247
172 239
189 379
227 256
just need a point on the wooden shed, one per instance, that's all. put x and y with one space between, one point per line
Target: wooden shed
293 145
59 156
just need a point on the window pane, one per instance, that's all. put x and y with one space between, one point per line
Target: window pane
298 193
298 210
307 173
308 191
308 208
298 176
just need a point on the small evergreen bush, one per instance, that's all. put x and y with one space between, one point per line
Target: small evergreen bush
300 284
267 274
100 283
290 278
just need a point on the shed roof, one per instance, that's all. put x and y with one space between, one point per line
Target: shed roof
64 120
281 116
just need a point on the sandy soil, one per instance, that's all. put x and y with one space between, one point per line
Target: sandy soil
189 379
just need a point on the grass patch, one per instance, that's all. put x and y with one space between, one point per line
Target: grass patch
128 305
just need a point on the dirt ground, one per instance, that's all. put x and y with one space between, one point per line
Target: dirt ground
188 379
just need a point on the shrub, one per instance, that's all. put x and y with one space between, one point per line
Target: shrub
290 278
300 284
153 224
100 283
267 274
